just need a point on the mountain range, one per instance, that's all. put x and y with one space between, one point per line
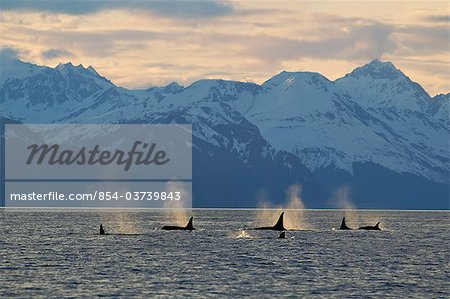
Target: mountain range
373 130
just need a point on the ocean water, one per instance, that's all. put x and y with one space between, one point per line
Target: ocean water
53 253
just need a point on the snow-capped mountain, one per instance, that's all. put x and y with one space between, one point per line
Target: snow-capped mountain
407 111
326 126
43 93
308 115
379 85
373 123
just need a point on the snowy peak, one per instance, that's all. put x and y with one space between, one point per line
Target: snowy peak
377 69
79 70
299 79
69 67
289 94
214 90
11 68
173 87
47 93
380 85
161 92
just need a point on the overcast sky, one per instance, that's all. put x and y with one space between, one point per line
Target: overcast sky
138 43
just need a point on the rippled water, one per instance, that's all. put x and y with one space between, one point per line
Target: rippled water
59 254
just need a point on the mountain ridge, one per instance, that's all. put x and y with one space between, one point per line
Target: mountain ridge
327 126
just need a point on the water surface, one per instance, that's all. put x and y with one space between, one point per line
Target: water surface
54 253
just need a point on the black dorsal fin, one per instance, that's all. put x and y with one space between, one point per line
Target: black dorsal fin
190 225
279 225
377 226
343 225
102 231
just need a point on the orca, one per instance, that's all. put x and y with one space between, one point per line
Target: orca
369 227
343 225
102 231
278 226
282 235
188 226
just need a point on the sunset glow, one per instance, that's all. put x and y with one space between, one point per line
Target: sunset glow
146 44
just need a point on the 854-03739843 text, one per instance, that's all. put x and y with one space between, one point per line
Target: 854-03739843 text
100 195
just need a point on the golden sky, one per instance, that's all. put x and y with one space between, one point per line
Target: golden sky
139 43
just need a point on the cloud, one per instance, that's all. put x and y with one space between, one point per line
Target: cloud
56 53
423 40
360 42
188 9
168 8
97 43
438 18
140 42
